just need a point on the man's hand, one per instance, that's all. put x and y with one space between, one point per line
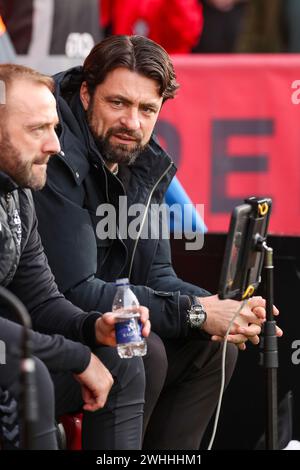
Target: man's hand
105 326
247 325
96 382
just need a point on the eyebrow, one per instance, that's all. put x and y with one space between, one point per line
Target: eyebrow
42 123
151 105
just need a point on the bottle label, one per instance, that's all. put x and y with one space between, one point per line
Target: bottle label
128 331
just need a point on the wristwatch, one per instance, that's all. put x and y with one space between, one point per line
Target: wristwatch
196 315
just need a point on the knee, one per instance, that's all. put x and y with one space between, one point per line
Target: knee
156 361
45 388
127 373
156 352
131 374
42 374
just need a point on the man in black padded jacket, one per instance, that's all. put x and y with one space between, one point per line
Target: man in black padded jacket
108 109
110 390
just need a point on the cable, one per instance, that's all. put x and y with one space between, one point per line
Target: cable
223 375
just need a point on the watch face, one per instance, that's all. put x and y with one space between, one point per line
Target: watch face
197 316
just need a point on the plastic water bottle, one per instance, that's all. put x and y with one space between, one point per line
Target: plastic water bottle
130 341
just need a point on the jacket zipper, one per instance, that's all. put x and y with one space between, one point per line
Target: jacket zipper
7 200
144 217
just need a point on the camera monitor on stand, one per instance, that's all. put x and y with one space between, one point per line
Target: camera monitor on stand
244 253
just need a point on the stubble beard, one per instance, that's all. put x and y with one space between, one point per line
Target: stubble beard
20 172
116 153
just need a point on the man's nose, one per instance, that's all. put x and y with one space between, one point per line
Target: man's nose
52 144
131 119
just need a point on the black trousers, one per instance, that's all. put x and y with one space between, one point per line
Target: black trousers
183 379
117 426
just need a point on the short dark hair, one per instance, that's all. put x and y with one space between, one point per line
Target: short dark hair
136 53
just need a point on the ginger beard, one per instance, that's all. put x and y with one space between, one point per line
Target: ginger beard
27 174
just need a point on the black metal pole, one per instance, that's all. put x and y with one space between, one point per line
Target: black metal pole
270 357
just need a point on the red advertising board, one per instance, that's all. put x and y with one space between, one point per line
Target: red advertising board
234 132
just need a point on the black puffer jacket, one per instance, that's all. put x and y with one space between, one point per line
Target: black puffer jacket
24 270
86 265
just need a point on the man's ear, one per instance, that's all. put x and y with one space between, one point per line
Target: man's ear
84 95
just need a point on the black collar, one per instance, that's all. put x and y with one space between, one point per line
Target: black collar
7 185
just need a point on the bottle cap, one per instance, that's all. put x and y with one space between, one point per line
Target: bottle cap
122 282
